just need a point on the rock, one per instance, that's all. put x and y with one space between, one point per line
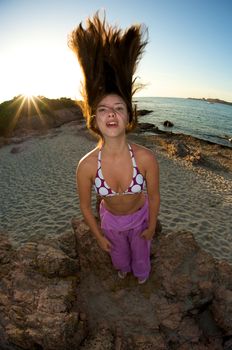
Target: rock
141 127
222 302
38 301
181 150
56 118
63 293
142 112
40 124
88 250
178 149
16 149
185 304
101 339
168 124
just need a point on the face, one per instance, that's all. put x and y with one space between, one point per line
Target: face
112 115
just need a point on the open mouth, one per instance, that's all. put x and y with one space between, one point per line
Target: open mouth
111 124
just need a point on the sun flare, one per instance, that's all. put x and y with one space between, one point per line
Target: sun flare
28 96
26 107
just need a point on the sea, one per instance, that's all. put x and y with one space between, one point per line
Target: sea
38 186
199 118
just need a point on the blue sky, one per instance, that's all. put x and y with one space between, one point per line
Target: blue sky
189 51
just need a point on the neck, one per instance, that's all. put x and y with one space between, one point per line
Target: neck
115 145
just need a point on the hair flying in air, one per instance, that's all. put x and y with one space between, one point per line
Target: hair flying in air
109 57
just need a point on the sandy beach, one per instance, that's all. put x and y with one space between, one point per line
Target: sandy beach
39 197
197 198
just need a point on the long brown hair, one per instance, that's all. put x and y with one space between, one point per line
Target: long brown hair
108 57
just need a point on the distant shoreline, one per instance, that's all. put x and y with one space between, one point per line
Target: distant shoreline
211 100
54 113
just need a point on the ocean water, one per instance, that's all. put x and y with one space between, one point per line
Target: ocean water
207 121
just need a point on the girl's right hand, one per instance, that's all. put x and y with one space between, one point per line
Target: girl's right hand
104 244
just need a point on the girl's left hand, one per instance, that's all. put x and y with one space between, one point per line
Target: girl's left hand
147 234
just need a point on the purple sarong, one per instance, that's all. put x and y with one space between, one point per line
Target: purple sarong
129 252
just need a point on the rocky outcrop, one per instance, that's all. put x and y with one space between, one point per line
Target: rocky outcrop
64 294
142 127
55 119
186 304
38 300
36 125
211 100
168 124
142 112
181 150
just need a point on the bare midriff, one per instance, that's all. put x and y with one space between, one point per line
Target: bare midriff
124 204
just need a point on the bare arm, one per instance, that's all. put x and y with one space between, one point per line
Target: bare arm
84 185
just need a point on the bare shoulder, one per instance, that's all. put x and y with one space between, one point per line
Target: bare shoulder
143 155
88 163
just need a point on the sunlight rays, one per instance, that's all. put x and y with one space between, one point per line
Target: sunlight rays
18 112
33 100
27 107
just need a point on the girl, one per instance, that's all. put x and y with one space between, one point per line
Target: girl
119 171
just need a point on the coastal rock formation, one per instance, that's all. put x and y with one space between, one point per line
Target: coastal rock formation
64 294
38 124
142 112
27 127
168 124
185 304
179 149
211 100
45 121
38 294
141 127
199 152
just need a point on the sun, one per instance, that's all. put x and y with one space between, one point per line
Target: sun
28 90
28 96
27 106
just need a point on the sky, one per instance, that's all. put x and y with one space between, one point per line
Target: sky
189 53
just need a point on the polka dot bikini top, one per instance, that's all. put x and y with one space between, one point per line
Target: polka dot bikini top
136 186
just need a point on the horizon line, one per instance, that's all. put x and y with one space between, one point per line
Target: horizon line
134 97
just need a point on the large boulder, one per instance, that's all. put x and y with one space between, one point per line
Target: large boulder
63 293
168 124
186 303
38 300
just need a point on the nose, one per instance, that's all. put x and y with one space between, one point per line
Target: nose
111 112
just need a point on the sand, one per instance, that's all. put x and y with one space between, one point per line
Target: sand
38 193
